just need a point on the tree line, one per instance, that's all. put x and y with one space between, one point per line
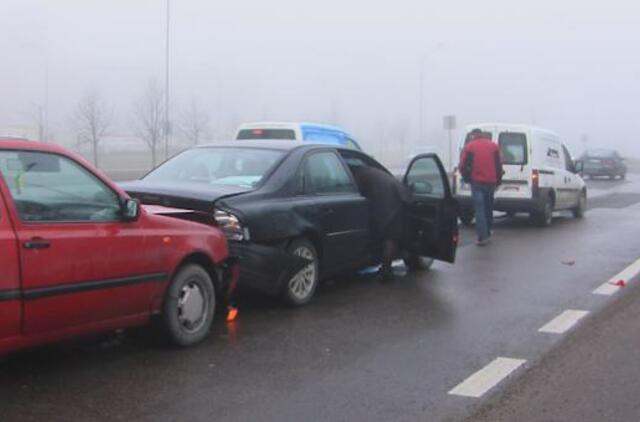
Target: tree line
94 118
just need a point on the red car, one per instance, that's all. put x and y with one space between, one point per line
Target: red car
79 256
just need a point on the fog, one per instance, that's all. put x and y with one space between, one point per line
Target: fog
571 65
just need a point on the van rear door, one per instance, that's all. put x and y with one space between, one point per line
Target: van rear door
516 163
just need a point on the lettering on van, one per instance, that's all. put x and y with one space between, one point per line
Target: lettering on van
553 153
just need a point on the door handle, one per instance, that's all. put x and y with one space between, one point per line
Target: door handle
36 243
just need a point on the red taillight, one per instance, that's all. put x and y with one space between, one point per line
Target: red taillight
535 179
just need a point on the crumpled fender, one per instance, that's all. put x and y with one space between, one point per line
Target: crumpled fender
265 268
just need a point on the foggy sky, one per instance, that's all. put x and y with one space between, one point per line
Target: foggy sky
569 65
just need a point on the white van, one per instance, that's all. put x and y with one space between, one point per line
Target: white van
540 176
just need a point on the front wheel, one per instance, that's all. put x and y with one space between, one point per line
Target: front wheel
581 207
189 307
418 263
300 288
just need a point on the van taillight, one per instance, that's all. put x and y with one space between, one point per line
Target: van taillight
535 179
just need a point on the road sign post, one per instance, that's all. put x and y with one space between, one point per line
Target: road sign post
450 124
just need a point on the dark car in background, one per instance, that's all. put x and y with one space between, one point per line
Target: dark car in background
293 213
603 163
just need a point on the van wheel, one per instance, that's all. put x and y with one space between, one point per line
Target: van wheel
544 217
417 263
578 211
300 288
466 216
189 307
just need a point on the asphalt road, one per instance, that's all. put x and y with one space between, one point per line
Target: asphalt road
362 350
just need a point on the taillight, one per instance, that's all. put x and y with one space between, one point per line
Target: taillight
535 179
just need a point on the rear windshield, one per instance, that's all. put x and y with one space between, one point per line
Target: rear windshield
266 134
513 147
244 167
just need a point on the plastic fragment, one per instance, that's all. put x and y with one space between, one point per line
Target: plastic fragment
232 314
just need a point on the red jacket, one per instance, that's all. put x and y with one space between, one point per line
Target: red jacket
485 161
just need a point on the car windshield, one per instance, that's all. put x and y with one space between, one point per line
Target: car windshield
245 167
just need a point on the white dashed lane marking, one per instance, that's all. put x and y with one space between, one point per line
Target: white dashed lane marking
610 287
487 378
563 322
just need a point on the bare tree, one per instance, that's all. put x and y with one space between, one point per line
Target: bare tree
195 123
93 117
149 118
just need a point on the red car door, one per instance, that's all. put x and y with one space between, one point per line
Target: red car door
10 298
81 263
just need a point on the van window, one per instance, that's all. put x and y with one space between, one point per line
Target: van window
245 134
513 147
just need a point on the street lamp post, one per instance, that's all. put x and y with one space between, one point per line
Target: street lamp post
167 124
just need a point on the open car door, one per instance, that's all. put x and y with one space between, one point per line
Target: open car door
431 211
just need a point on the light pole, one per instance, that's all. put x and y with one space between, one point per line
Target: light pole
423 59
167 124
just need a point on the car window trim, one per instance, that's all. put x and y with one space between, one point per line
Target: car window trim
344 166
79 164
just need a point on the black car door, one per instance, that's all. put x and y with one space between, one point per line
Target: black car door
342 211
431 211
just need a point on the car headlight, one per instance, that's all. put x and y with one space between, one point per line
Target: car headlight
230 225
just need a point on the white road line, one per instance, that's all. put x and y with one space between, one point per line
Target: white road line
563 322
625 275
487 378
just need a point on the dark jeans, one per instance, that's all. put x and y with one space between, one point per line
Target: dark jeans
483 206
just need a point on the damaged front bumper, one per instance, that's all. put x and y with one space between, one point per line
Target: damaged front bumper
265 268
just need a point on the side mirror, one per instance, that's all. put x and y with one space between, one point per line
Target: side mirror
578 166
130 209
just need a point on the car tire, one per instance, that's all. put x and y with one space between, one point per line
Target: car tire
612 177
415 263
623 176
466 216
579 210
189 306
299 290
544 217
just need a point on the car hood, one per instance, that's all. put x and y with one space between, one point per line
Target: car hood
192 196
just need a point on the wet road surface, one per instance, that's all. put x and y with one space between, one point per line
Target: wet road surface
362 350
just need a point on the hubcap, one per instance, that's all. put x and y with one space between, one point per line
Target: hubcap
301 285
192 307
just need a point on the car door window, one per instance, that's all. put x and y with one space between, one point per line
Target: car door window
425 178
324 173
51 188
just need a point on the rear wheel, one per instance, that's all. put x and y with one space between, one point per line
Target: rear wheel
623 176
578 211
300 288
466 216
189 307
418 263
544 217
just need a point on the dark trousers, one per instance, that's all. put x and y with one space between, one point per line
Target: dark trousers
482 196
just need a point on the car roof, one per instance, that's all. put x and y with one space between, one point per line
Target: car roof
24 144
275 144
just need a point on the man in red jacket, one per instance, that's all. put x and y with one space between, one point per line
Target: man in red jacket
481 167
